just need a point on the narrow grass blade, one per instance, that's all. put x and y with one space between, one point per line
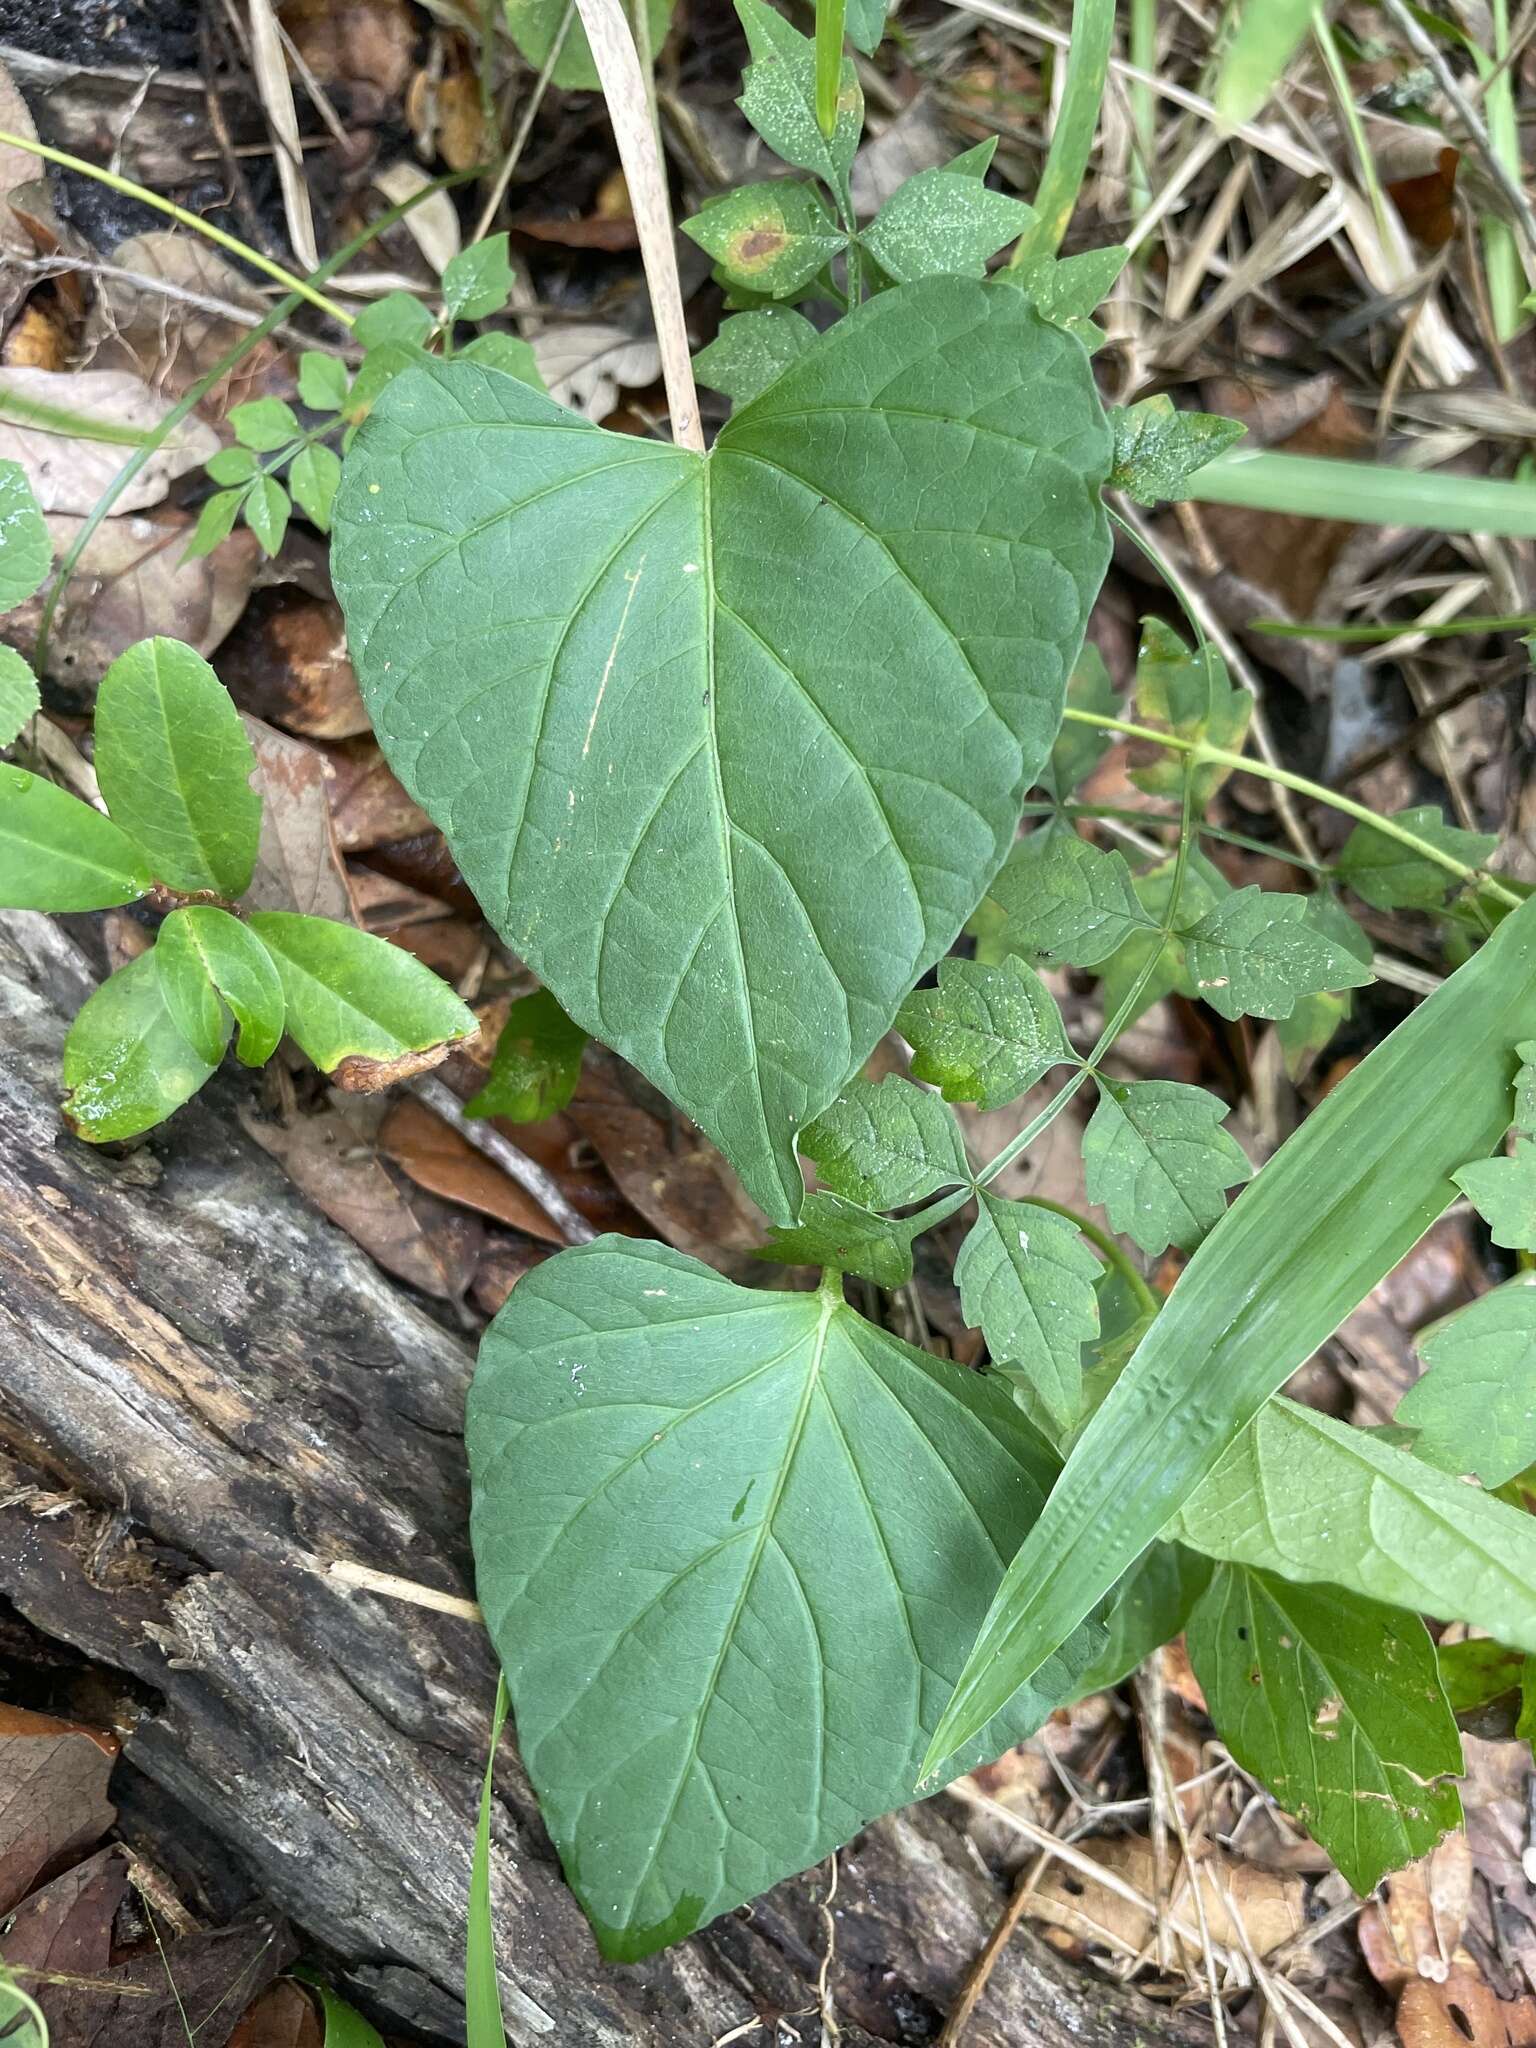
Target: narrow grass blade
1093 30
1331 1214
1266 38
1373 493
482 1993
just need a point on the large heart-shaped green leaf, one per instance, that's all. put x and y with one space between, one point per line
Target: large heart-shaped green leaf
729 746
732 1547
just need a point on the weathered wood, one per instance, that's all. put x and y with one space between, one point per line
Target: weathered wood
228 1390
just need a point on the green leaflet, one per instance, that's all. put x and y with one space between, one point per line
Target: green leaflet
175 767
313 477
1335 1704
1066 289
1277 1275
536 1064
57 853
204 954
1026 1280
1202 888
19 699
126 1065
1158 449
345 2026
1315 1019
945 222
1158 1161
731 1546
1190 694
1475 1408
1065 901
839 1234
348 995
534 24
780 98
752 350
1391 876
985 1034
26 553
884 1143
264 424
882 571
478 281
770 238
865 23
1503 1192
1255 954
1310 1498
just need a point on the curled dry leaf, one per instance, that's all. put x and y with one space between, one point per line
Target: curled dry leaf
286 661
53 1795
69 474
131 582
298 864
586 364
283 2017
1271 1908
437 1158
368 805
358 1075
1413 1928
334 1159
167 341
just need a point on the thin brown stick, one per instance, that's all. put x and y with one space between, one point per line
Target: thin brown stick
440 1098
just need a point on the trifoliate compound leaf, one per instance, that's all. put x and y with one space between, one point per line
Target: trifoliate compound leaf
839 1234
175 767
126 1065
1334 1703
478 281
884 1143
1255 953
1391 876
1311 1498
534 24
770 238
1189 694
985 1034
203 951
1026 1281
349 995
588 656
19 698
26 553
1158 448
753 350
1080 748
1065 901
732 1545
57 853
780 97
536 1064
1475 1407
1202 886
1159 1163
943 222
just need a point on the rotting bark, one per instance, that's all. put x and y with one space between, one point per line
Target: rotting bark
228 1390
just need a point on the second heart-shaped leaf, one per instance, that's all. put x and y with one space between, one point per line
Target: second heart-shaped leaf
728 747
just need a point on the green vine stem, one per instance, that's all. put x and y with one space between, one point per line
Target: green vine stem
1199 751
1093 32
195 394
295 285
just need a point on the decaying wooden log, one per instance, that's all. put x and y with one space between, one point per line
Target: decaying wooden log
225 1390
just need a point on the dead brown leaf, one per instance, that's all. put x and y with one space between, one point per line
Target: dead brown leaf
334 1159
131 581
368 806
1413 1928
165 340
1463 2009
359 1075
438 1158
287 662
69 474
677 1180
283 2017
38 338
67 1925
53 1795
298 864
363 47
1271 1908
198 1987
504 1263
